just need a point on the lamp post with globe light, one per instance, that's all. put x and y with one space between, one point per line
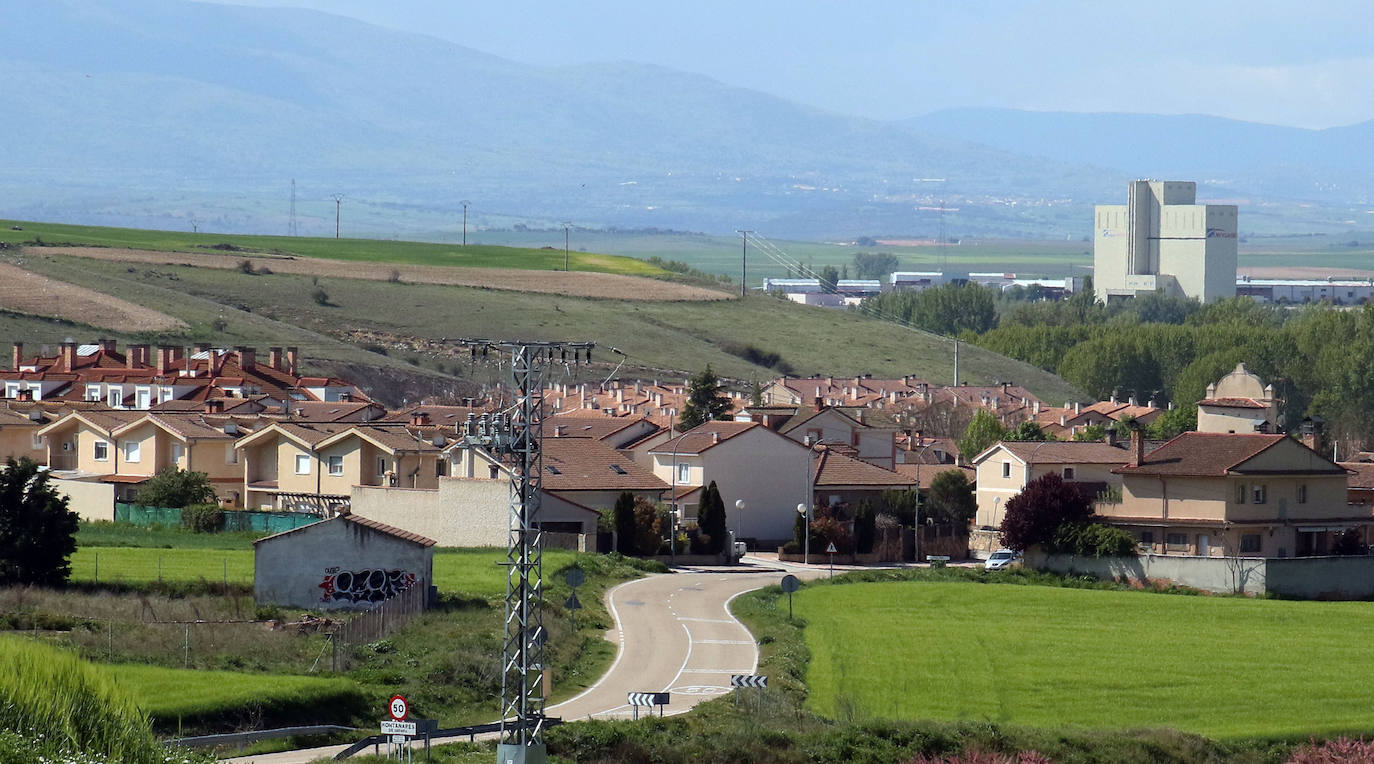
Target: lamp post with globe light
739 534
805 511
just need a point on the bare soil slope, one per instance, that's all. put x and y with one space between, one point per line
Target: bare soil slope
25 292
574 284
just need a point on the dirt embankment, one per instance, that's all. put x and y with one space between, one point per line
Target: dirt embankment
25 292
574 284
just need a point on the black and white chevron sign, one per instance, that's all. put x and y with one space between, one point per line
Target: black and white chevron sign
648 698
747 680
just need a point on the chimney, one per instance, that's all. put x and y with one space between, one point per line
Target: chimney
188 365
217 362
107 345
1137 446
274 358
1113 396
1077 408
164 359
1111 435
419 419
202 347
1063 420
23 395
715 437
1312 435
345 397
69 355
819 403
214 406
248 358
18 358
558 430
292 356
1132 401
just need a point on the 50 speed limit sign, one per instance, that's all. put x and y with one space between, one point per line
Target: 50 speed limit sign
398 707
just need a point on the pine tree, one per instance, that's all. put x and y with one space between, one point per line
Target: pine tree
706 400
37 530
625 523
711 519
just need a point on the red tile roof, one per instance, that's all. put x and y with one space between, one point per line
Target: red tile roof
834 469
1232 403
587 464
1065 452
704 436
1209 454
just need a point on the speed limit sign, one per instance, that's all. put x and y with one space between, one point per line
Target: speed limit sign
398 707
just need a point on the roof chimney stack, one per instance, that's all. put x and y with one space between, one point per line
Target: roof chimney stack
1137 445
18 358
214 406
274 358
292 356
69 355
419 419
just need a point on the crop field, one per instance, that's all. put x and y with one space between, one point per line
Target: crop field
1223 667
355 250
170 694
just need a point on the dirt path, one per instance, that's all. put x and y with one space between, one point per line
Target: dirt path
25 292
575 284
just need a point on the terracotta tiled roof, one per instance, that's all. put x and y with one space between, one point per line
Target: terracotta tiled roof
438 415
1361 475
575 425
587 464
1232 403
389 530
704 436
1064 452
925 474
1206 454
836 469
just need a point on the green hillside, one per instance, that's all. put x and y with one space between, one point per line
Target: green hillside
668 340
355 250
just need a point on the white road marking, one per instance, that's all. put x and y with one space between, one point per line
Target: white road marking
620 653
705 620
725 642
732 617
686 660
718 671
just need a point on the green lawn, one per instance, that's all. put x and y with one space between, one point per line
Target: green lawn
360 250
1223 667
470 572
168 694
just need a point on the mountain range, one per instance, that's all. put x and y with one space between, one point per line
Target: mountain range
164 113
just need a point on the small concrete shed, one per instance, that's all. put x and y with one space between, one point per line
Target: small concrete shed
344 563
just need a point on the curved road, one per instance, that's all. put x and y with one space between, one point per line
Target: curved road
674 633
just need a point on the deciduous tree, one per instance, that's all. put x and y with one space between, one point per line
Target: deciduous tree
951 500
173 487
983 431
1034 515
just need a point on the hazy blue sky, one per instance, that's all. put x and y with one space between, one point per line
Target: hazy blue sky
1305 64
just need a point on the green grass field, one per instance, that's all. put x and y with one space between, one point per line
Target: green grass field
1223 667
468 572
358 250
169 694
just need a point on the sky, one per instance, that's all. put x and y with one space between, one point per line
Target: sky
1305 64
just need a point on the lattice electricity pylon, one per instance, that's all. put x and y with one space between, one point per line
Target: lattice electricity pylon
518 435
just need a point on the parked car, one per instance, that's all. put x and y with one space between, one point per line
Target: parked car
1002 559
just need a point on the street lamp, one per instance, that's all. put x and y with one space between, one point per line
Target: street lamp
805 511
739 507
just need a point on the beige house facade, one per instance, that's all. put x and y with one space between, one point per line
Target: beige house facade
1004 469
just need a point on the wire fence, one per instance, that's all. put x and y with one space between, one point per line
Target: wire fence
387 617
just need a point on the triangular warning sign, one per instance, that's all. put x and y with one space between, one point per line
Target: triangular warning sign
573 603
831 549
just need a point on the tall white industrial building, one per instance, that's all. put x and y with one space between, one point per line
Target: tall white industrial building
1162 239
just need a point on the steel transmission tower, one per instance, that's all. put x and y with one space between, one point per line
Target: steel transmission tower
517 435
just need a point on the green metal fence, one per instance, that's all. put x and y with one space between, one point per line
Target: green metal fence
234 519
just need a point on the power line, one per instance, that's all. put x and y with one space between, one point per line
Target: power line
744 261
338 204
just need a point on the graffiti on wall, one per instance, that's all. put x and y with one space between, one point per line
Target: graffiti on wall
367 585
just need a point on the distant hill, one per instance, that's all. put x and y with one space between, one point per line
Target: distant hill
1226 155
172 114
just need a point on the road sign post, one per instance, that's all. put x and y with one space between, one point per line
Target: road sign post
750 680
790 583
649 700
831 550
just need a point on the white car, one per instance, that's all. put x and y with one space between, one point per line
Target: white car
1001 560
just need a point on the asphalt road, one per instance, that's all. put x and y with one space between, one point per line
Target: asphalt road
674 634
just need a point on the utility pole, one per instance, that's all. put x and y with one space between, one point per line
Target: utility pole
517 435
465 204
956 361
567 226
291 227
338 203
744 261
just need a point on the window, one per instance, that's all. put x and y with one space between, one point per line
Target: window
37 441
1006 469
1240 493
93 393
116 398
143 397
1068 473
1249 543
684 473
381 466
302 464
1147 538
1302 493
493 471
1176 542
336 465
1259 493
132 450
102 451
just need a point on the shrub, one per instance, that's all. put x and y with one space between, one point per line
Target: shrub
37 529
1089 539
320 296
864 517
394 276
203 518
1034 515
624 514
1339 751
827 529
173 487
246 266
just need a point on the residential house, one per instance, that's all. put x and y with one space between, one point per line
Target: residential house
843 479
20 423
1006 468
1234 494
770 473
872 442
